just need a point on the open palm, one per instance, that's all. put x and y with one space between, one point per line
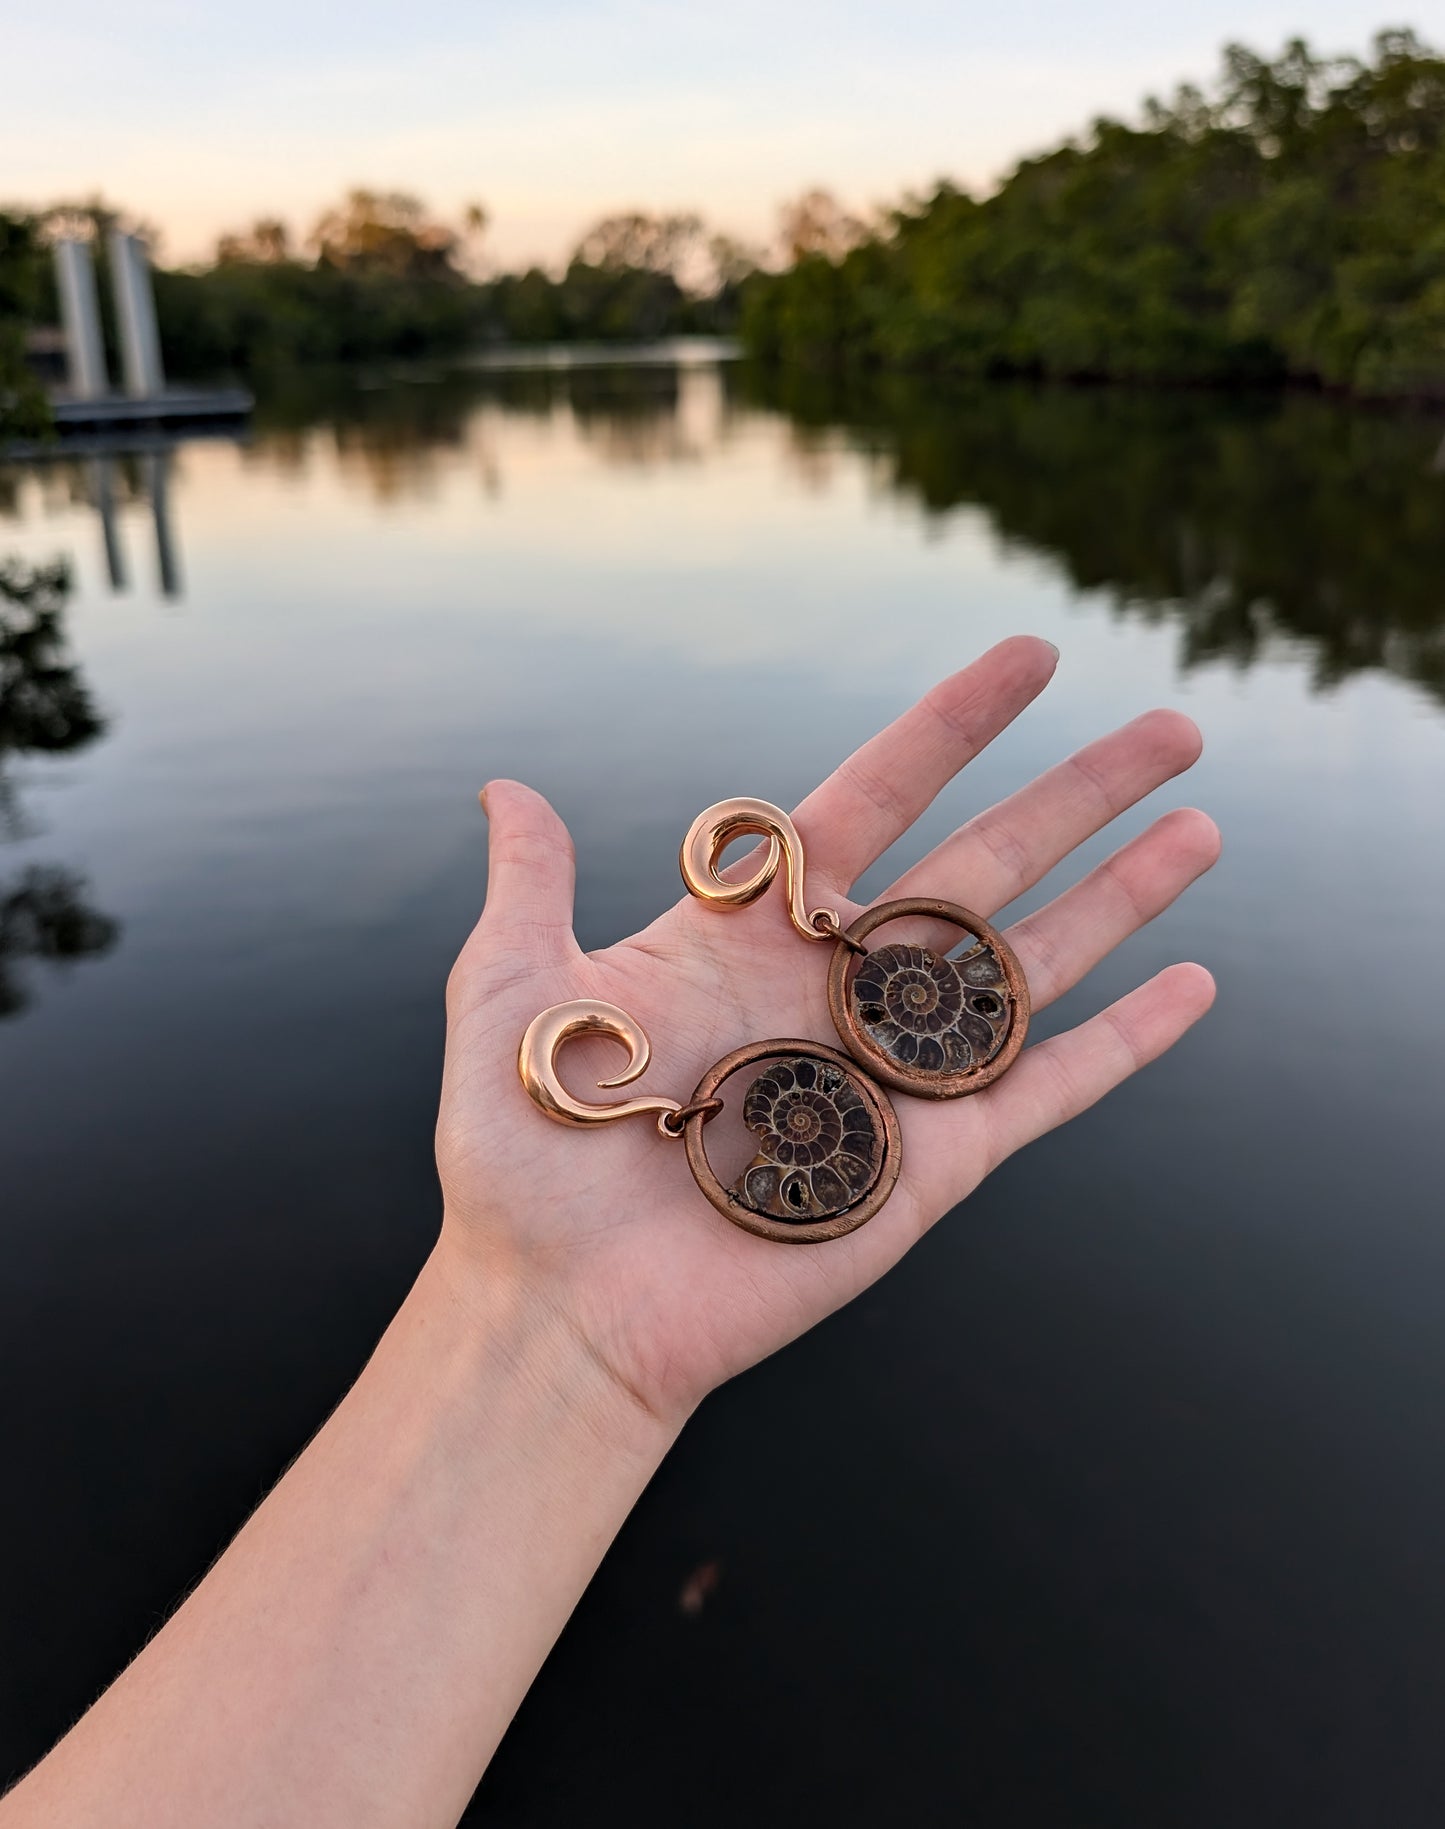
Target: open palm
605 1231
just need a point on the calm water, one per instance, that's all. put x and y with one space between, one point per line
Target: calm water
1122 1501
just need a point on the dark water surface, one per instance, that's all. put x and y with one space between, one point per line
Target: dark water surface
1122 1501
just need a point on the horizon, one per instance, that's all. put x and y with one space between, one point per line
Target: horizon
200 126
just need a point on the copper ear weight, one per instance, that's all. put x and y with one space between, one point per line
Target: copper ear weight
829 1151
917 1020
828 1145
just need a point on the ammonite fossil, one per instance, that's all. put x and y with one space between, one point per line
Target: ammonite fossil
933 1013
819 1147
920 1021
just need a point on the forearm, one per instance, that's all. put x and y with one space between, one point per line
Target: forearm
357 1653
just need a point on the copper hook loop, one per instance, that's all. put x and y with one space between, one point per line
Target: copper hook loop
714 830
543 1041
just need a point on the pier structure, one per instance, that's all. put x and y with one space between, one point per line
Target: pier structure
89 402
124 438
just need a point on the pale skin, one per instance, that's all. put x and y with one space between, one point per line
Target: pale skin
355 1656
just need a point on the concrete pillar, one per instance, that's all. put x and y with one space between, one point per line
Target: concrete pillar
80 315
135 310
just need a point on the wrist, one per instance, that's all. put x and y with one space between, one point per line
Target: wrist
503 1322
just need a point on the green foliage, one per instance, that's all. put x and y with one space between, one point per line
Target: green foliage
378 280
379 232
254 315
1292 224
251 314
389 282
596 303
25 293
24 405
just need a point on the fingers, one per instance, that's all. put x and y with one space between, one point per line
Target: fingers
882 788
1055 1081
1063 941
531 873
1007 849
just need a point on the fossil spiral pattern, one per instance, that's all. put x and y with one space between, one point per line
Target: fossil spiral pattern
819 1148
931 1014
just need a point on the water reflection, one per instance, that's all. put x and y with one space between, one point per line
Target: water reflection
1246 520
396 434
1243 519
44 916
108 474
45 705
46 708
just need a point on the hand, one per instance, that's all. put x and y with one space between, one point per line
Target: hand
605 1231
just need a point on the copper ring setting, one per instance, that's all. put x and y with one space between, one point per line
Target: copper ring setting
920 1021
829 1151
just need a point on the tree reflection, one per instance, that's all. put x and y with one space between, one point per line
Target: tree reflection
395 435
45 705
45 709
44 915
1241 518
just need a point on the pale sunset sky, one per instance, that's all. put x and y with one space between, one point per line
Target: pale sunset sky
554 112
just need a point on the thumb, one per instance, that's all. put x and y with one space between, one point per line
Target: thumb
531 871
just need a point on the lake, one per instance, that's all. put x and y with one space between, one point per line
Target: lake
1122 1501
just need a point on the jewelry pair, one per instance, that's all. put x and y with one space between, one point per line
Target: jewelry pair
910 1018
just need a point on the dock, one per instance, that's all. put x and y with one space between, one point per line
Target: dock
88 403
172 406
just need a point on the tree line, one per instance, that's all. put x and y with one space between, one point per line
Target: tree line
1287 224
379 277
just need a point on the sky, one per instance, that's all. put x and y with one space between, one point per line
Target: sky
553 113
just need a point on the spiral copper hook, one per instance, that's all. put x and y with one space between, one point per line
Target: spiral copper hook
714 830
543 1041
